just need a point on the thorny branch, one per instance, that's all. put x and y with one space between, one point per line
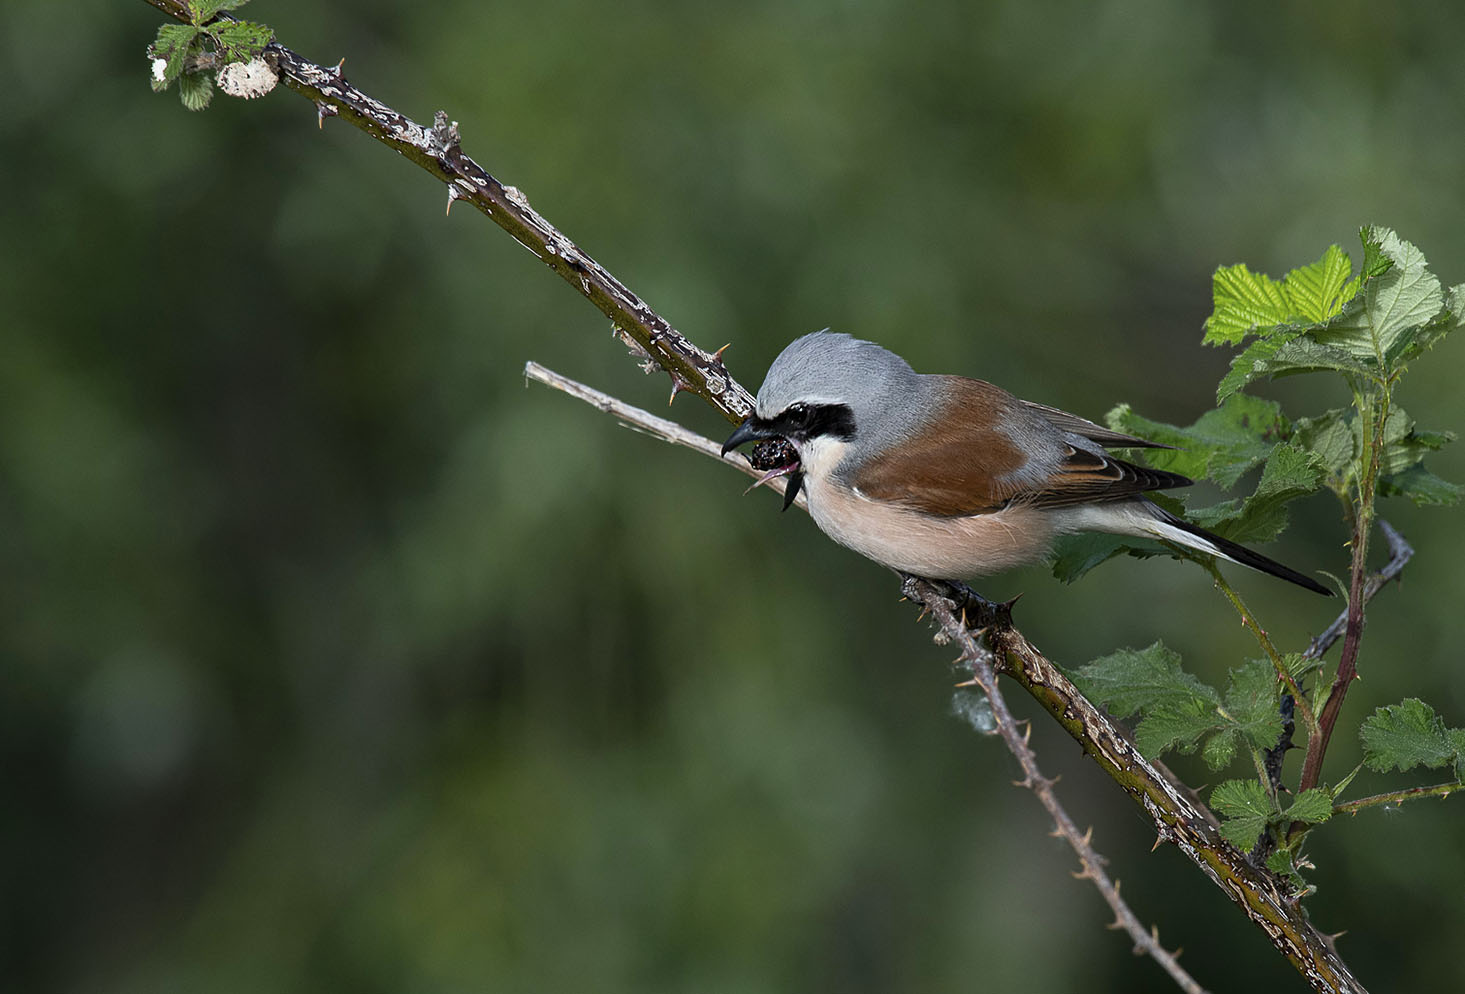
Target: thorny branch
1177 816
979 661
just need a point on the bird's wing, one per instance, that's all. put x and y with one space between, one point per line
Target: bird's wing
965 465
1106 437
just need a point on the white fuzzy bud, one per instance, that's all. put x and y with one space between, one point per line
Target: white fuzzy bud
249 79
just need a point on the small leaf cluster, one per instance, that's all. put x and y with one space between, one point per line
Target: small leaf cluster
1365 326
1177 711
188 53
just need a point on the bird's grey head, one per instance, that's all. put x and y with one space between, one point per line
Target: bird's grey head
828 383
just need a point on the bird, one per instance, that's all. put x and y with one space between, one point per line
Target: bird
948 477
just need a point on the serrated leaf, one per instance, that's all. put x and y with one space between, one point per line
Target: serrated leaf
1405 296
1220 750
1222 444
203 10
1245 807
1176 725
1456 738
1333 438
1313 806
1403 736
1291 472
1422 487
195 90
1244 302
1075 555
171 45
1286 353
1280 861
1133 680
1318 291
1251 703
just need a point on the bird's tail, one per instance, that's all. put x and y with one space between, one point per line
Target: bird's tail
1171 528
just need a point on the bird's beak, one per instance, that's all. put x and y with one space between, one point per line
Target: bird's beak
746 432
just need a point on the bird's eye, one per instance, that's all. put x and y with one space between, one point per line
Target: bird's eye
798 416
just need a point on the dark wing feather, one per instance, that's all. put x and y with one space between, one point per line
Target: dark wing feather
966 466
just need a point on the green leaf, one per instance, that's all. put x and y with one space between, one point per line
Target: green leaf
1313 806
1404 736
1245 807
1176 725
1333 438
1286 353
1318 291
171 45
1251 704
1291 472
1220 750
1406 296
1456 738
1075 555
195 89
1422 487
203 10
241 41
1133 680
1222 444
1244 301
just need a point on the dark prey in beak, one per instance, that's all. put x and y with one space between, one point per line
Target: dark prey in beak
773 453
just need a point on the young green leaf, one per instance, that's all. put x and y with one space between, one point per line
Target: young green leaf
1316 292
1244 302
1407 735
1245 807
1312 806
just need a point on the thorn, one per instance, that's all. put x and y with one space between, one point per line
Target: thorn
717 356
1057 833
677 386
966 683
925 610
453 195
1115 925
1159 841
1088 836
340 74
324 110
1177 952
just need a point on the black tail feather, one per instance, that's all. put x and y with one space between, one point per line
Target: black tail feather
1241 554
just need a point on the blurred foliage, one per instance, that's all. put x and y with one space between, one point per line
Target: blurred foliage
335 659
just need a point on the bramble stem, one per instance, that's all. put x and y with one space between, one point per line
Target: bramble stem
1440 790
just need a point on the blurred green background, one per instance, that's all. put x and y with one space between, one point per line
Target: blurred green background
333 658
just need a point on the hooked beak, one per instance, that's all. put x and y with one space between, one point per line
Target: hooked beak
749 431
746 432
